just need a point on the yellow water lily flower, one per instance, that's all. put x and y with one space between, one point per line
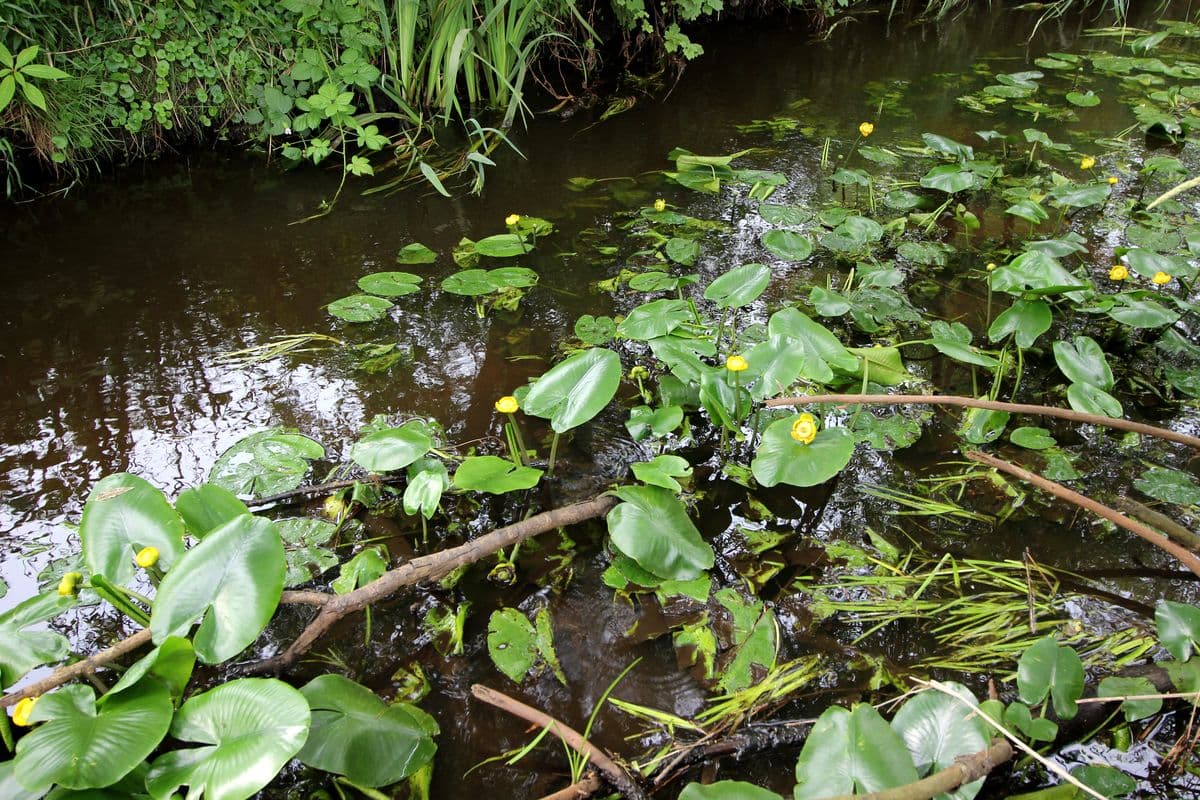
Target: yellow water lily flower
1118 273
1112 180
68 584
1087 162
1161 278
866 129
512 219
736 364
507 404
146 557
660 205
804 429
23 711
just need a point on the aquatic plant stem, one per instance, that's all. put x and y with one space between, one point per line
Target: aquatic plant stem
990 405
614 774
516 429
553 455
1185 556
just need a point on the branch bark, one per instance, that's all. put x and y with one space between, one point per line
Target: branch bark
1185 556
571 737
579 790
1173 530
989 405
964 770
430 567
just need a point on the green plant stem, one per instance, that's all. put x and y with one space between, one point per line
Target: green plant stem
553 454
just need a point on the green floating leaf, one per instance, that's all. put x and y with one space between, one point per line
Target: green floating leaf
170 664
415 253
954 340
1028 319
1039 729
1178 628
1086 99
359 308
1169 485
726 790
938 728
753 643
1032 438
682 251
366 566
659 422
503 245
1108 781
739 287
851 752
206 507
390 284
265 463
356 734
392 448
788 245
231 581
122 515
595 330
654 319
494 475
950 178
1139 312
1114 686
651 526
1091 399
573 391
782 459
85 745
249 729
516 646
1046 667
663 471
21 650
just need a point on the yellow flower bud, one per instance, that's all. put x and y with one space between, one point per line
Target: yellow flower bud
866 129
23 711
736 364
660 205
804 429
512 219
146 557
1087 162
991 266
68 584
1161 278
507 404
1112 180
1118 273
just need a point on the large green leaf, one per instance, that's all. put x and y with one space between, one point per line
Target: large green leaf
356 734
206 507
793 323
21 650
1093 400
753 641
950 178
573 391
782 459
651 526
265 463
494 475
231 581
392 448
788 245
170 664
390 284
726 790
1140 312
1114 686
739 286
954 340
1178 628
512 643
1036 271
851 752
1082 360
1169 485
502 245
938 728
249 727
359 308
83 746
1046 667
654 319
366 566
123 514
1028 319
427 480
882 365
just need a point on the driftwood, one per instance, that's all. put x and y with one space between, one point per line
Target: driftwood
1172 529
426 568
989 405
611 771
1185 556
586 787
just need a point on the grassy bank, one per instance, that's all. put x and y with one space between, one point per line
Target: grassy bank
355 82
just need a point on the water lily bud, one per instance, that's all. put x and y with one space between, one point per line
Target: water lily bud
507 404
1112 180
1161 278
503 574
866 129
804 429
69 583
23 711
1087 162
991 266
334 507
639 373
512 219
660 205
1118 273
736 364
146 557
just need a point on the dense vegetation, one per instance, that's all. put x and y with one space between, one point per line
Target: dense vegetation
358 83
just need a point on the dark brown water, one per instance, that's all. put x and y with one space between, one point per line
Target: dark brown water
123 295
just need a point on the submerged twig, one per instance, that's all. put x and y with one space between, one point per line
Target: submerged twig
305 491
1185 556
989 405
1172 529
613 773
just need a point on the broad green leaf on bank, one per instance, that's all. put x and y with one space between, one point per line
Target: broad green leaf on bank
231 582
247 728
360 308
122 515
22 649
573 391
1046 667
392 448
265 463
651 526
206 507
938 728
726 790
494 475
84 745
851 752
354 733
739 286
782 459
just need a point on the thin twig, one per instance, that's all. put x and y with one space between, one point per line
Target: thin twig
989 405
586 787
964 770
1185 556
305 491
571 737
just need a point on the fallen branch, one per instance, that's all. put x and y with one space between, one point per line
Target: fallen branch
613 773
430 567
989 405
964 770
1185 556
1172 529
579 790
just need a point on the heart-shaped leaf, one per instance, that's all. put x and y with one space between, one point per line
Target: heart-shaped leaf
392 448
651 526
1046 667
937 728
390 284
782 459
573 391
494 475
21 650
123 514
739 286
359 308
788 245
851 752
